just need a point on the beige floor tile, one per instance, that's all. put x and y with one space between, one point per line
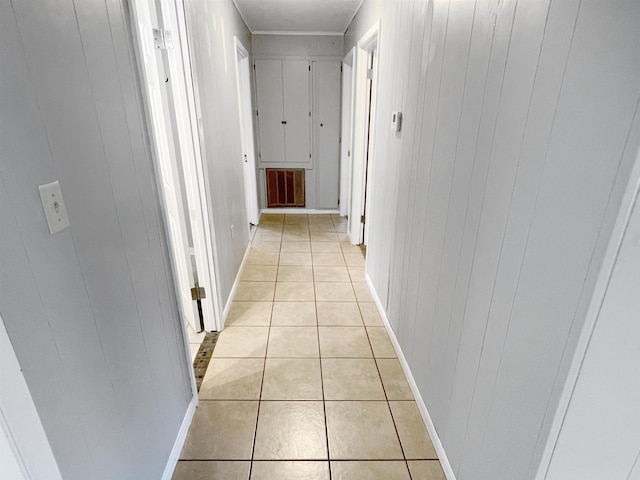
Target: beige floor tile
324 237
413 434
296 247
193 350
293 342
221 430
294 314
347 248
275 470
354 259
341 227
361 431
319 218
295 228
357 274
265 246
339 314
296 218
331 274
290 430
255 292
370 315
321 227
393 379
371 470
328 260
326 247
296 236
426 470
269 227
267 236
295 273
344 342
289 258
292 379
351 379
228 470
262 258
272 218
334 292
249 314
242 342
380 343
259 273
363 294
232 379
295 292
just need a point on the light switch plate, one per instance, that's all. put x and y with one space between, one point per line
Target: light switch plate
54 208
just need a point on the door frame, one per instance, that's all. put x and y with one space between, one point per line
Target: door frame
363 132
346 131
245 112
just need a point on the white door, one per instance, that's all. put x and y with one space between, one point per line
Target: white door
243 75
296 85
328 128
346 145
270 110
166 158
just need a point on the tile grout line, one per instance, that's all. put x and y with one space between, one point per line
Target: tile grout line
264 364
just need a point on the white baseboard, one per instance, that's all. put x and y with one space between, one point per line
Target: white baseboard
174 456
437 444
306 211
234 288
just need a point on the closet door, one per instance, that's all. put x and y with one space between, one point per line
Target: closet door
296 84
270 110
328 133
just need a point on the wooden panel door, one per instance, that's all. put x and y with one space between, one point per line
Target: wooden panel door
270 110
296 80
328 128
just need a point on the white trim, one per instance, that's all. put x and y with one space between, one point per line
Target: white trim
19 419
363 124
435 439
355 12
307 211
174 456
246 130
234 288
606 270
301 33
346 132
246 24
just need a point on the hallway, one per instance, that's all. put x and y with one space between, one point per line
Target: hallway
304 382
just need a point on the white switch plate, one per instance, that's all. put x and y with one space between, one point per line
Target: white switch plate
54 208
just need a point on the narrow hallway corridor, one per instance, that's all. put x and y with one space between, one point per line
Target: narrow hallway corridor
304 382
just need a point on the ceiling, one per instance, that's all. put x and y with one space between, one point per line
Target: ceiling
298 16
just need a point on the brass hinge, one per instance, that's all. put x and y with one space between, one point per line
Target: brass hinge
362 218
198 293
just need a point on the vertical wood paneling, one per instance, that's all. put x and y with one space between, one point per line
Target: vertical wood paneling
507 174
98 334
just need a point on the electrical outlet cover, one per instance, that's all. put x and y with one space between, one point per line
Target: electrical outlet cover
54 207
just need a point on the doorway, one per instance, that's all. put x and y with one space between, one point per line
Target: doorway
365 93
245 108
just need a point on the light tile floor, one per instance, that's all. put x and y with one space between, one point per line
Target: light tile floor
304 382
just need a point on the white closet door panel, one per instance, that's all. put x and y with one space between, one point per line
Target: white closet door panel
296 85
270 110
328 164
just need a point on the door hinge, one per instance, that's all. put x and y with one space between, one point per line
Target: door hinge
340 67
162 39
198 293
362 219
254 67
369 73
309 67
257 115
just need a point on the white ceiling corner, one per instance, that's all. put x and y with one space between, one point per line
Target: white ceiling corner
310 17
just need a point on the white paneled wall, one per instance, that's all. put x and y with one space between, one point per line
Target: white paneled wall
491 209
212 26
90 312
320 187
